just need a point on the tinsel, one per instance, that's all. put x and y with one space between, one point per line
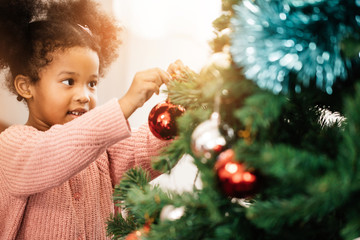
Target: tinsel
291 44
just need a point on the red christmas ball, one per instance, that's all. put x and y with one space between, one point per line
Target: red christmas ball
234 179
162 120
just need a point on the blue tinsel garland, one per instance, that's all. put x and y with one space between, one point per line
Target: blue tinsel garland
273 40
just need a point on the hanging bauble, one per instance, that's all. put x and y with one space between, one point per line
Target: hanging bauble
208 140
162 120
138 234
234 179
171 213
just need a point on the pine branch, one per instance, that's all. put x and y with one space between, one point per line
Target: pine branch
170 156
180 146
117 226
184 90
278 214
186 94
133 178
260 110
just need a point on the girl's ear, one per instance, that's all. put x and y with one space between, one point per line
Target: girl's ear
22 85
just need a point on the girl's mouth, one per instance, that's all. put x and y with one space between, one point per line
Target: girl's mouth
76 113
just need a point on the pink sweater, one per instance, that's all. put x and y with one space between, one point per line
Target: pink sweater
58 184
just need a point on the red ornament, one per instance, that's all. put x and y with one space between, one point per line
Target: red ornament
162 120
234 180
137 234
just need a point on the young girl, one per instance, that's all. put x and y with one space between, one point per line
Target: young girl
57 172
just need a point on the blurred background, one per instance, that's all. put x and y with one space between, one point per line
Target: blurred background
156 33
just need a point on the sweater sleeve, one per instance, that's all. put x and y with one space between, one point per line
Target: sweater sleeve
33 161
138 150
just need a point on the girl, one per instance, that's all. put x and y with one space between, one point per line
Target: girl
57 172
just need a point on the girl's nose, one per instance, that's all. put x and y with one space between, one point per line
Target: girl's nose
82 95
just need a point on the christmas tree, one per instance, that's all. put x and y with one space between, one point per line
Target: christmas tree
273 126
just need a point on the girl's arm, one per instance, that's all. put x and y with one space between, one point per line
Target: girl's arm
138 150
33 161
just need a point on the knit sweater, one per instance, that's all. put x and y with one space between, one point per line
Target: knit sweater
58 184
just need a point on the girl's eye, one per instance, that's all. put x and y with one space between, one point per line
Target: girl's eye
68 82
92 84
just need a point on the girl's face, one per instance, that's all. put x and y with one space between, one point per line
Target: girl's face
66 88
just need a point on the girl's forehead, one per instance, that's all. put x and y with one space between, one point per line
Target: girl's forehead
74 50
75 53
73 58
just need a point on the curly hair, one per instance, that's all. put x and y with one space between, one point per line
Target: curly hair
31 30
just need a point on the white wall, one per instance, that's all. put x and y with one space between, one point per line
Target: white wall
157 32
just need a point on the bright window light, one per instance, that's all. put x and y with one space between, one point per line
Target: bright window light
153 19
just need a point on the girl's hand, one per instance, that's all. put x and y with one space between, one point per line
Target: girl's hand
176 68
144 85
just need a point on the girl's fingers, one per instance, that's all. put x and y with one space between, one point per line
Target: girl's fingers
175 68
155 75
165 76
151 89
179 63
